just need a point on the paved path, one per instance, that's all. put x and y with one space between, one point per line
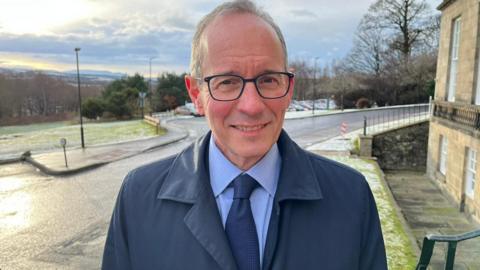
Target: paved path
78 159
428 211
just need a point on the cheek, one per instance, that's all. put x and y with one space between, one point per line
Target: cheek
278 106
217 110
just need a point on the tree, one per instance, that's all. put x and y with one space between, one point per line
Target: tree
93 108
170 92
303 79
121 96
367 54
409 22
394 52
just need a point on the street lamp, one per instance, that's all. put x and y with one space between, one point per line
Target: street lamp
150 76
149 82
314 83
79 100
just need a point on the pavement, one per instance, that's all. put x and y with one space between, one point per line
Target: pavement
80 160
428 211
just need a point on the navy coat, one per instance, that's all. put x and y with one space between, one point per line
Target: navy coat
324 217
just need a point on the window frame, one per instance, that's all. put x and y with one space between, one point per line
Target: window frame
470 172
443 155
454 57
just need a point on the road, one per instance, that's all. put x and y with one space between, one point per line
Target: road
60 222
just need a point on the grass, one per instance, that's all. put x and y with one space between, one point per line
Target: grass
400 253
43 137
7 130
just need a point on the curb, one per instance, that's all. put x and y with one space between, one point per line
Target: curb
49 171
10 160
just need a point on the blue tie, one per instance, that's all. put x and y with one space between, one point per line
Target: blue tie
240 226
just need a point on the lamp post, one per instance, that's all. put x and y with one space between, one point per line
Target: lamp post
314 83
149 81
79 100
150 76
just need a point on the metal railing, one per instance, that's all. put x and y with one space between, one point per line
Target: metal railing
452 240
164 115
153 121
467 115
395 117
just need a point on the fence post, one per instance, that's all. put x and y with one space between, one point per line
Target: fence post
364 125
430 100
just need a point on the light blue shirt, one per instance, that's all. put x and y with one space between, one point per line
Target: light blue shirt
266 172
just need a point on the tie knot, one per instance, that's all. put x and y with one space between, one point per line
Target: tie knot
243 186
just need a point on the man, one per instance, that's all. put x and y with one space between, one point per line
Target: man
244 196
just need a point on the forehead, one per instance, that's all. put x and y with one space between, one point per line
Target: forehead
241 35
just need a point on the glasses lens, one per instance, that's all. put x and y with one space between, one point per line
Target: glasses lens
273 85
225 87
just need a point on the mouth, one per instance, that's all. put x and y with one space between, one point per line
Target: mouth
249 128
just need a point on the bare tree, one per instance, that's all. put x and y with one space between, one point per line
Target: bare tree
367 54
303 81
408 20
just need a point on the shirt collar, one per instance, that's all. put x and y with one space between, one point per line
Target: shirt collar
222 171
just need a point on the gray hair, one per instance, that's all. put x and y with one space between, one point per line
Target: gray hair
237 6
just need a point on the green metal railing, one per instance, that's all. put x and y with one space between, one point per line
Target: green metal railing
452 240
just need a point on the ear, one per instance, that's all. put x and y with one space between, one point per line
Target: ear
290 92
194 93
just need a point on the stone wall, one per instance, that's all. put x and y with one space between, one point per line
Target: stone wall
404 148
453 182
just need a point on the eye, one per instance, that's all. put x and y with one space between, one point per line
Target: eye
227 81
269 79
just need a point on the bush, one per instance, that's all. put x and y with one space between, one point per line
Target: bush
362 103
93 108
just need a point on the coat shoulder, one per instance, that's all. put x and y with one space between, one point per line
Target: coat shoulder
333 175
149 176
332 165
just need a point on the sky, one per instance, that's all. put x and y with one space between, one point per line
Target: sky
122 35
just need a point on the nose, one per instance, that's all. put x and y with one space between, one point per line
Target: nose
250 102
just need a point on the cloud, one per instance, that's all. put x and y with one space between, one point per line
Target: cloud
303 14
125 33
130 39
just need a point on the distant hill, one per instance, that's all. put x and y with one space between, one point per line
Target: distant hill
91 77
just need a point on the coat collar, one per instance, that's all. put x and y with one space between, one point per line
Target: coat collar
298 180
188 175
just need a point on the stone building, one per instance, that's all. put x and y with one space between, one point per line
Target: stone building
454 137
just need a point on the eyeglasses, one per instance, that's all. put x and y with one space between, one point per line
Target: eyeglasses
269 85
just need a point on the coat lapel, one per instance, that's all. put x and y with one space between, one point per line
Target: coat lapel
297 181
188 182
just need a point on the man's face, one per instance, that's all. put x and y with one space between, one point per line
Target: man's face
246 128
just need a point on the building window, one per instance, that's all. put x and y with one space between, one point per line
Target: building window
443 155
452 77
477 92
471 171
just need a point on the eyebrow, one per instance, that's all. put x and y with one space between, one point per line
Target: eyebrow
231 72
